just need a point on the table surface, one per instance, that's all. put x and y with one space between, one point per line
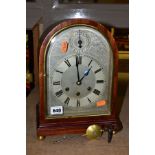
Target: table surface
75 144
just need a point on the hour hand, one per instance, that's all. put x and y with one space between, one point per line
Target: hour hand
86 73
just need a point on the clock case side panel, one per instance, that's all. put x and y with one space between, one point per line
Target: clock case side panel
75 125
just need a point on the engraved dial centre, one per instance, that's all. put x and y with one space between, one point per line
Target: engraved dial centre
69 80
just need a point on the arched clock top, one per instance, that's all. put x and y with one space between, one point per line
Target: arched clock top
73 22
78 67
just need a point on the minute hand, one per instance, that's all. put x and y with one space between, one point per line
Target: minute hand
85 74
77 67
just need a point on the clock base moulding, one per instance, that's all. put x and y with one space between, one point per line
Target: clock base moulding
109 124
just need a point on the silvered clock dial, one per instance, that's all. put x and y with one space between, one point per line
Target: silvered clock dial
80 78
78 75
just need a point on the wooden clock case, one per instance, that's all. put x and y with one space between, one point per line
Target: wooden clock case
49 127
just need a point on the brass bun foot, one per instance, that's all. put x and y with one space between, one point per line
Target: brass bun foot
41 137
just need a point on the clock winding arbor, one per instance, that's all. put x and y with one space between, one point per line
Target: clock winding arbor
78 67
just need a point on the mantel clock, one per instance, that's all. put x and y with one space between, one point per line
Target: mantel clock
78 65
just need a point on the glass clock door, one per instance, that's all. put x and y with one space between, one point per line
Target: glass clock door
79 71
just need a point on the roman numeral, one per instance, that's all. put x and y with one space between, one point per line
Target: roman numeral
100 81
67 100
56 83
67 63
89 100
59 93
97 92
90 63
98 70
58 71
80 60
78 103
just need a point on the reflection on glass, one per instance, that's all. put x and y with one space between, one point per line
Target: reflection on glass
93 1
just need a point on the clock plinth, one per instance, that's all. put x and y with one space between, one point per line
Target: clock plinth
78 126
78 70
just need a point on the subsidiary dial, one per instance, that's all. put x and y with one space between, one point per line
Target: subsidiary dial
80 40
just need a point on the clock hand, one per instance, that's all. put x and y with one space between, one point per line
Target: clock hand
77 67
85 74
80 41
